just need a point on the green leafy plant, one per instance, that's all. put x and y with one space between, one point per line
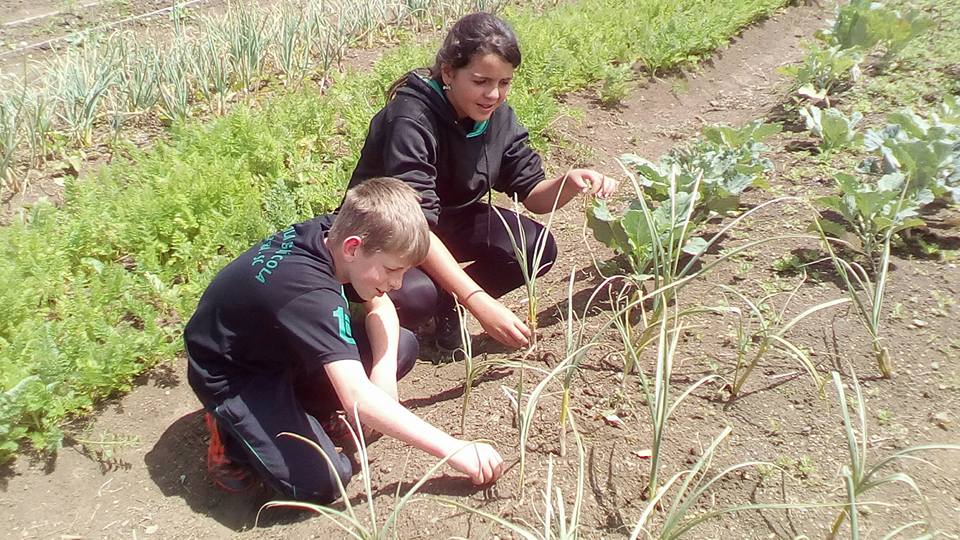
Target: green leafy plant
614 84
860 475
824 71
834 129
866 24
926 151
873 211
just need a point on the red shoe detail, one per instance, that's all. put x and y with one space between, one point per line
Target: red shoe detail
224 473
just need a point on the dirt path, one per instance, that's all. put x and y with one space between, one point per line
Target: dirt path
156 486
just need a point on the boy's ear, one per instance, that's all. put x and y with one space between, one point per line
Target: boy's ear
351 244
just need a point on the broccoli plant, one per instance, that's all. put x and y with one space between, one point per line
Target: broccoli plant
925 151
834 129
872 210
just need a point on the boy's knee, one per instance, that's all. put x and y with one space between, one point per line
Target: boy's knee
321 485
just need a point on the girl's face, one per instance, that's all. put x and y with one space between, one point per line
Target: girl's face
478 88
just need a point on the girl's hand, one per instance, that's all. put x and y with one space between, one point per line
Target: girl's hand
592 182
480 461
498 321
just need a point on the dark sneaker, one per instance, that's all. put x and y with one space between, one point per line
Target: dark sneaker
226 474
447 333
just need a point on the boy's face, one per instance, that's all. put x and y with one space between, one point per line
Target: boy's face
374 274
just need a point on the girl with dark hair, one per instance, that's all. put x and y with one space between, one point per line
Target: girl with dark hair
449 134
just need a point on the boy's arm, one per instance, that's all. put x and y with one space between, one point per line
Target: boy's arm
377 410
383 330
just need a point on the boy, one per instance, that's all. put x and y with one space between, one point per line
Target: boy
271 347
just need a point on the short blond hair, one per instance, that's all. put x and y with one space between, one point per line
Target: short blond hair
385 213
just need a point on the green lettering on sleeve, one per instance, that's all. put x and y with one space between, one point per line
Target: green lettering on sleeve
343 320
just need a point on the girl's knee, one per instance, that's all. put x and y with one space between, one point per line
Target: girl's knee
407 352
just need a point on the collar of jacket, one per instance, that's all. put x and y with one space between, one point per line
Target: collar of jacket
479 128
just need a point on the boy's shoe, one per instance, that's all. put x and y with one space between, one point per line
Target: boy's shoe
226 474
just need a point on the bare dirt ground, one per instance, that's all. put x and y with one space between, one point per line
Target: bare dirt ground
156 486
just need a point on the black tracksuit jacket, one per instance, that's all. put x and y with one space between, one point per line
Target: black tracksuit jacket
451 164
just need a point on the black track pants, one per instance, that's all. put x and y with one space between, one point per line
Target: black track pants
253 408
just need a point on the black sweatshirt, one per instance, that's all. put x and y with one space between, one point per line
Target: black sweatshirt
417 139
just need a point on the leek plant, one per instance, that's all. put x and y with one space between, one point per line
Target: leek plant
84 76
473 368
860 476
11 116
682 513
348 520
770 335
555 521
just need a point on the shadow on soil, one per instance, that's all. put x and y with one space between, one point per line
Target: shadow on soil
177 464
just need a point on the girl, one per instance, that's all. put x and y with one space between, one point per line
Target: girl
449 134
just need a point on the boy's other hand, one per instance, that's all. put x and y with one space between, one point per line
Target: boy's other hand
480 461
498 321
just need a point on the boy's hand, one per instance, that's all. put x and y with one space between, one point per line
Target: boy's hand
498 321
480 461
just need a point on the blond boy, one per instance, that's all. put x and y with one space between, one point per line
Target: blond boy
272 348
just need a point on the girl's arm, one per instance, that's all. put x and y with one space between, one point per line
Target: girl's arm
498 321
542 198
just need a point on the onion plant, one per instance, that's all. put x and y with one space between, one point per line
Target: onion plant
473 368
139 75
555 521
683 513
348 520
867 296
247 35
83 78
860 476
531 264
175 84
11 116
770 334
293 43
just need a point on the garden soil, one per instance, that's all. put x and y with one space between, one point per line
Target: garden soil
149 481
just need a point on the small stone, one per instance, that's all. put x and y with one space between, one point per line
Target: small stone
934 365
942 420
919 323
151 529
